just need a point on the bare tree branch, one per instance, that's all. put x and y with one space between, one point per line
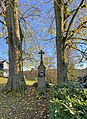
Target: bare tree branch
74 17
78 38
82 52
76 30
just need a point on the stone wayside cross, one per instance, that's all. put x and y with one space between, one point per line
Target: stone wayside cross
41 74
41 52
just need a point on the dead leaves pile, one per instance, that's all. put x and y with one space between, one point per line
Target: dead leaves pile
28 106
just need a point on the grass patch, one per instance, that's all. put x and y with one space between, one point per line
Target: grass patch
3 80
28 82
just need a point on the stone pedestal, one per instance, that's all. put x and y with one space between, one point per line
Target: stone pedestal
41 84
41 81
41 76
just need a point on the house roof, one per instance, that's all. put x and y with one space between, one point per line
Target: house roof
41 66
1 62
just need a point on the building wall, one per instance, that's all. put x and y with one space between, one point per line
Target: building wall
5 65
5 73
5 69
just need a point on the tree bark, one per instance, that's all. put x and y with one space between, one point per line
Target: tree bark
16 79
60 41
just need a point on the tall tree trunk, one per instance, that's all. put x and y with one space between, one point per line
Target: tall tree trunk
16 80
60 41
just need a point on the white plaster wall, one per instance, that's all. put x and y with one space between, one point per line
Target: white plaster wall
5 65
5 74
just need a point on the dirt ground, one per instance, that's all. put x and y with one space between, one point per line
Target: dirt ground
28 106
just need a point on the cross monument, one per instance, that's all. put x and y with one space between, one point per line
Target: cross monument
41 74
41 52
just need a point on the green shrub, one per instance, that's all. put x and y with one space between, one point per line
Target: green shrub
41 90
35 85
14 93
47 85
69 102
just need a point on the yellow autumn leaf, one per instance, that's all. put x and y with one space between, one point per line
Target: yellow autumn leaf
7 33
30 43
51 31
1 34
4 23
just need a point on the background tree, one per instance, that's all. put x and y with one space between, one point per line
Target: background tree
64 22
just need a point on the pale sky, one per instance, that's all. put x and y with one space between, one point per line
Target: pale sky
38 26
